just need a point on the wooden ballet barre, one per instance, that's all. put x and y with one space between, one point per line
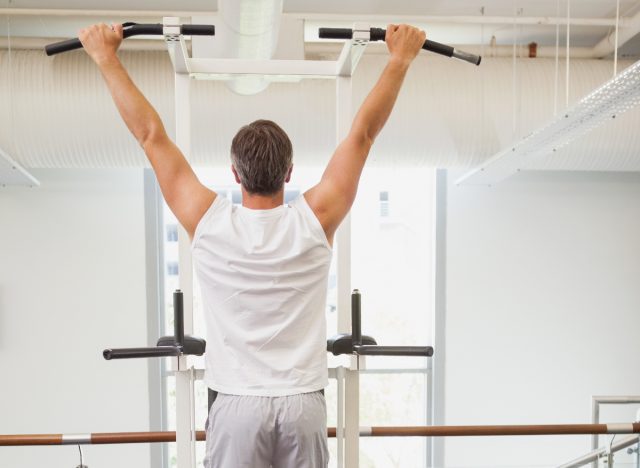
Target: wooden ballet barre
99 438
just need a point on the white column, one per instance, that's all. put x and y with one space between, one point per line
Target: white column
436 446
343 241
185 433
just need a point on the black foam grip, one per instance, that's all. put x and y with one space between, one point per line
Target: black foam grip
198 29
438 48
378 34
134 353
376 350
63 46
356 317
140 29
133 29
335 33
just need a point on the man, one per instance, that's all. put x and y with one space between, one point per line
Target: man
262 266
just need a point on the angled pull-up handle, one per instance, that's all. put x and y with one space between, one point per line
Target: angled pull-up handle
378 34
134 29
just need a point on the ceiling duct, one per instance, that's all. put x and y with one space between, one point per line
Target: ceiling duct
59 114
247 29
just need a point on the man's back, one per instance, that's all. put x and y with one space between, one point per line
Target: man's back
263 277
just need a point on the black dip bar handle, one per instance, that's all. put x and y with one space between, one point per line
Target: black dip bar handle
378 34
134 353
377 350
176 343
134 29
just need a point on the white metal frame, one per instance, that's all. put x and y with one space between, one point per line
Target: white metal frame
341 69
598 400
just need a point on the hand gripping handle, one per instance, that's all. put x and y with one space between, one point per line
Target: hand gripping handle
133 29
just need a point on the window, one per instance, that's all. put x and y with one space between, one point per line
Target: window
172 233
172 268
384 204
391 265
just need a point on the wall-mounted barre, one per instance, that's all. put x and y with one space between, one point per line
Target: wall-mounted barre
100 438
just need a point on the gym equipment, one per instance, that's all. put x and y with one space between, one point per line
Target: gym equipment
101 438
378 34
176 345
135 29
363 345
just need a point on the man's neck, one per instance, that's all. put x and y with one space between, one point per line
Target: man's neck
262 202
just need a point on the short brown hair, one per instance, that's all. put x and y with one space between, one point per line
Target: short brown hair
262 154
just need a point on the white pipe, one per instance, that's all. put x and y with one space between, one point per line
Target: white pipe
316 49
372 18
615 47
35 43
321 49
594 455
521 20
628 27
90 12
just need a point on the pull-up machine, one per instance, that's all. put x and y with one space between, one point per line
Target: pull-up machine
358 346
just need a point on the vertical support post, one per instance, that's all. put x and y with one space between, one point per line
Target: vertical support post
183 140
185 431
435 446
154 236
340 373
595 419
343 237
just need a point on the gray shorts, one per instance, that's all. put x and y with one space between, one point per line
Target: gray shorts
263 432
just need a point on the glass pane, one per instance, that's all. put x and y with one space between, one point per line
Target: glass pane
392 259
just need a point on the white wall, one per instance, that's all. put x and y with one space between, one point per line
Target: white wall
72 282
543 309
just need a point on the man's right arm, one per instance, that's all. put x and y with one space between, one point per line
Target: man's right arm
331 199
185 195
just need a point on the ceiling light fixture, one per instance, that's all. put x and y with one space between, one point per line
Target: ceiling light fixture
602 105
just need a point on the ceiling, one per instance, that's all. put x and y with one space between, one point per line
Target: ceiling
424 13
580 8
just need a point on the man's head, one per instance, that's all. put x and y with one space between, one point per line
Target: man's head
261 154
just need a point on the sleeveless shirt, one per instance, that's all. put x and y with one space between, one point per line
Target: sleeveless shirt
263 277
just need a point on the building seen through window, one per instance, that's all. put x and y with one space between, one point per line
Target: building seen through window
172 232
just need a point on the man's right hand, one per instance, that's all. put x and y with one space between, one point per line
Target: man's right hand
100 41
404 42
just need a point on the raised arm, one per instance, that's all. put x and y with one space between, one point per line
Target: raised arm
185 195
332 197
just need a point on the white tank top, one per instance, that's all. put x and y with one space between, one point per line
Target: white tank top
263 276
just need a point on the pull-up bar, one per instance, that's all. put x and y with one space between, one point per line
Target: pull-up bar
135 29
378 34
101 438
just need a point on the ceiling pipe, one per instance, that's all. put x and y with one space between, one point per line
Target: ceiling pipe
316 50
322 51
350 18
89 12
36 43
628 28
